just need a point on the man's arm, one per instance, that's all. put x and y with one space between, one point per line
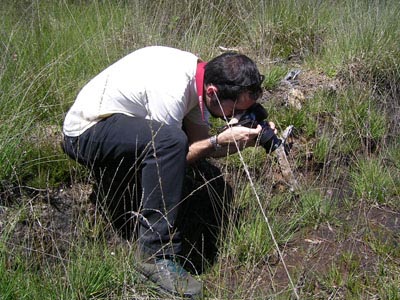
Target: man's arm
200 145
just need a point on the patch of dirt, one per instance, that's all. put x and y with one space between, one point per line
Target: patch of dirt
42 224
318 259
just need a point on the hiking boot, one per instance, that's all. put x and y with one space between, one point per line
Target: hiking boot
171 277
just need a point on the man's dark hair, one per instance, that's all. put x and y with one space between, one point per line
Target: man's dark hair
232 74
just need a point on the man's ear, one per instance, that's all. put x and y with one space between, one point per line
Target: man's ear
211 90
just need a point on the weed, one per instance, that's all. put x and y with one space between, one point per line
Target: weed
372 181
314 208
322 149
273 77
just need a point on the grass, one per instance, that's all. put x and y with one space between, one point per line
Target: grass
345 150
373 182
90 273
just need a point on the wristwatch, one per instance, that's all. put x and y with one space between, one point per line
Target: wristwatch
214 142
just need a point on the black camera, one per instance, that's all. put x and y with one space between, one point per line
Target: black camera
255 115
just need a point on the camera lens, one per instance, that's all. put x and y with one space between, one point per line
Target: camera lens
268 140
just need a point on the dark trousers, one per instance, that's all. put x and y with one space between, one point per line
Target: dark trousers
139 168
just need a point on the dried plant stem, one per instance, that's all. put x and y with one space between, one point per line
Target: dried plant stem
268 223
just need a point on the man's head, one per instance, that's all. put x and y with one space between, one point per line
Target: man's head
232 82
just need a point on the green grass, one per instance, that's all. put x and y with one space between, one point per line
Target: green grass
345 153
91 273
372 181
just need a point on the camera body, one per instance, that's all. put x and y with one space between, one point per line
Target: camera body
255 115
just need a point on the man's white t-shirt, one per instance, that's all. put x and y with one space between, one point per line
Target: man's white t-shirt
155 83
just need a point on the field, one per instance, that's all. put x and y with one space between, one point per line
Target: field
247 234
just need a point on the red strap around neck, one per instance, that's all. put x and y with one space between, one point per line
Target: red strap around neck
200 86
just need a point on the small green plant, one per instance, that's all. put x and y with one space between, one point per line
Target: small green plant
322 149
394 155
361 116
314 208
253 240
383 241
274 76
91 275
372 182
387 282
334 277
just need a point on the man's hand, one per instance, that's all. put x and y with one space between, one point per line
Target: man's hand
199 142
243 136
273 127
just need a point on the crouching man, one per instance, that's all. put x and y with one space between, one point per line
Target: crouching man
139 122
